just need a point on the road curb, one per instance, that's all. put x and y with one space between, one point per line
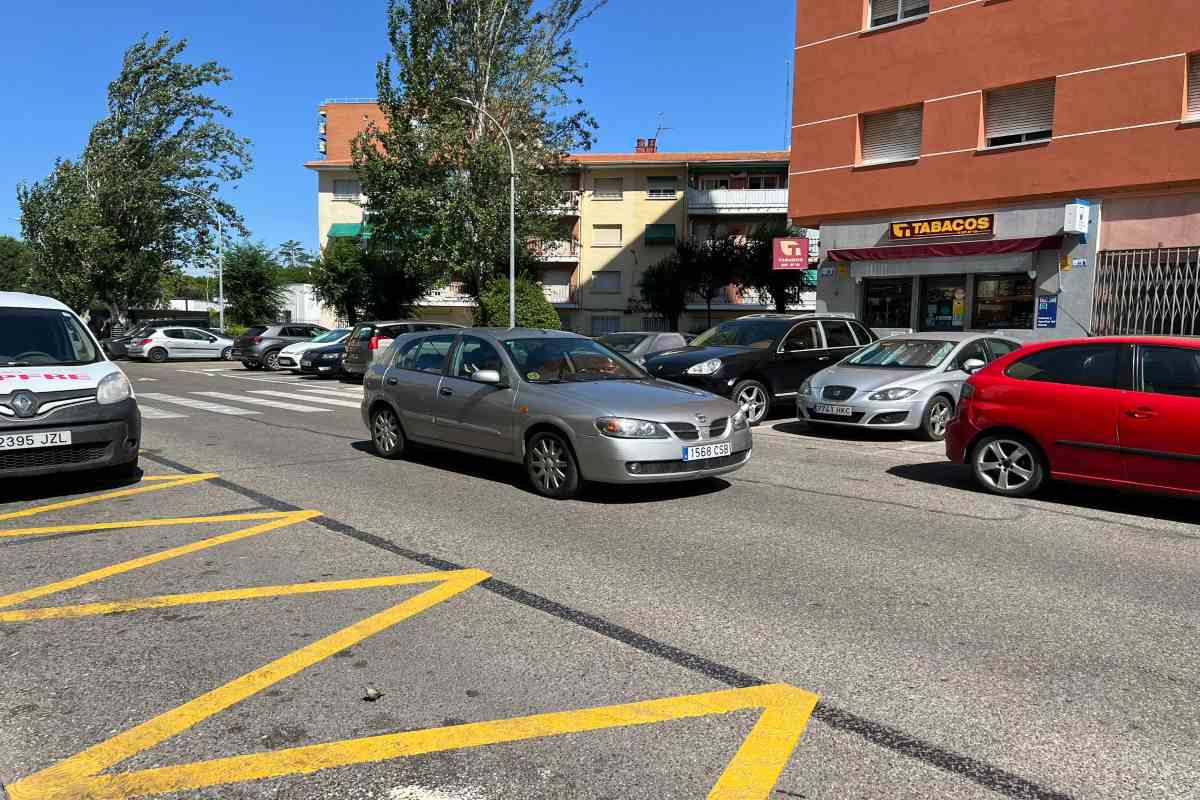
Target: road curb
3 794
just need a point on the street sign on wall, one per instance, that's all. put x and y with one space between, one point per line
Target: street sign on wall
1047 311
791 253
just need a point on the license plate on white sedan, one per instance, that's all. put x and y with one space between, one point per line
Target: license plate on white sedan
25 441
306 363
702 451
835 411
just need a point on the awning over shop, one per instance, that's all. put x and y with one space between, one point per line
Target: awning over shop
993 247
349 230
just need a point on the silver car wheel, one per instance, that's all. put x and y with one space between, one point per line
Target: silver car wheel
227 354
386 431
549 465
753 400
1006 465
940 412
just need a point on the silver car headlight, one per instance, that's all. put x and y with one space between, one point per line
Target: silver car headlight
740 423
622 428
893 394
705 367
113 388
806 388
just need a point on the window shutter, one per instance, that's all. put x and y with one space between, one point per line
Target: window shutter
1194 86
606 235
884 11
1020 110
608 188
660 187
892 135
660 233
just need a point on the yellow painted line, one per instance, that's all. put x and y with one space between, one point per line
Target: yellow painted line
751 774
156 483
219 596
141 523
73 777
153 558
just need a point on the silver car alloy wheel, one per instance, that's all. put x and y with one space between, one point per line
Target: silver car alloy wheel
753 400
227 354
387 432
939 417
1005 464
549 464
271 362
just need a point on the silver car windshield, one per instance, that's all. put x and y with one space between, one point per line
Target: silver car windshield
903 354
544 360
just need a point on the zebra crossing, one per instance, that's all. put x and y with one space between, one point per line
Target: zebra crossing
249 397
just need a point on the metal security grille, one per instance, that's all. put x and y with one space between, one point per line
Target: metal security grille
1151 292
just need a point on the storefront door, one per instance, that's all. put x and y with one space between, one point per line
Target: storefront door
943 303
887 302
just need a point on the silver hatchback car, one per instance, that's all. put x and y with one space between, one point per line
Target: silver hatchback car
567 407
909 382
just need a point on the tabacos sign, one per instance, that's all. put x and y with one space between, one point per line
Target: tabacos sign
972 225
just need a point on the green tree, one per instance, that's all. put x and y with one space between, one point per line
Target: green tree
16 264
340 279
292 254
664 288
757 269
253 289
533 309
109 226
711 266
436 174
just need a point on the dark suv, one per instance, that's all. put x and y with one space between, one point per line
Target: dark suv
760 359
259 346
369 338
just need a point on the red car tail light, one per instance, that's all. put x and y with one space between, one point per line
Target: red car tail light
145 342
968 391
375 340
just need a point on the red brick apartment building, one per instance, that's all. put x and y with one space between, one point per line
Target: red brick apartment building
940 146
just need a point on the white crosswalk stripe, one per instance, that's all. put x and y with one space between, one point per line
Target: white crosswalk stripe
333 392
201 405
347 403
258 401
149 412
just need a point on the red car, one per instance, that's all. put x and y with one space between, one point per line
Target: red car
1119 411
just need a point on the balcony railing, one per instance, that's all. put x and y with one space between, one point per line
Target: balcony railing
558 293
568 205
737 201
451 294
556 251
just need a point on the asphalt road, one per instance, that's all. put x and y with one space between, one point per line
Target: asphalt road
619 646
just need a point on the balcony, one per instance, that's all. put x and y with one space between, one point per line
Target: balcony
737 201
568 205
555 252
451 294
559 294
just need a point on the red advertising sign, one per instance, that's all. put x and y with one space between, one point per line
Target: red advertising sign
791 253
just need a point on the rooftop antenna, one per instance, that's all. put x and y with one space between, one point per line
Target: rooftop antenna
658 132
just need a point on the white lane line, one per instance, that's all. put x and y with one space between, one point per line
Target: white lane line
188 402
258 401
149 412
311 399
334 392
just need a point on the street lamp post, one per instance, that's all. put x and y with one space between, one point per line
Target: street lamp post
220 256
512 211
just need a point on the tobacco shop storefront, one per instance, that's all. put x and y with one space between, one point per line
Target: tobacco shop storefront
993 271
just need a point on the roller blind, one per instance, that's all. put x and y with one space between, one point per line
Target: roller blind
1194 86
660 188
606 235
608 188
892 135
1026 112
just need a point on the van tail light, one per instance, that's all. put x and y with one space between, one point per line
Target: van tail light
375 340
145 342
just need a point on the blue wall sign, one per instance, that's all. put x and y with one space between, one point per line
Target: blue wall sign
1047 311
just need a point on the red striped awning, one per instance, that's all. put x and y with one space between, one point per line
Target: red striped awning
992 247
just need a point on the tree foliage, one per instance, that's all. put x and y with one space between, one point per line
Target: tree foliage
664 288
757 269
436 173
533 309
110 225
340 279
293 255
253 285
711 266
16 265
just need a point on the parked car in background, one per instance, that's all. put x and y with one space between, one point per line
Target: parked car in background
290 356
160 344
1118 412
909 382
761 359
638 345
371 339
64 407
566 406
259 347
324 360
118 346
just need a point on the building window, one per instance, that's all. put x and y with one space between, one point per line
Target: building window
885 12
660 188
655 324
606 236
763 182
347 190
605 325
660 234
607 281
1193 103
1019 114
887 302
712 184
892 135
944 303
608 189
1003 301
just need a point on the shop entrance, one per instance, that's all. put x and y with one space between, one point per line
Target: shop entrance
887 302
943 303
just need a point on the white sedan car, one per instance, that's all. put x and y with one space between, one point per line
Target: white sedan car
289 357
160 344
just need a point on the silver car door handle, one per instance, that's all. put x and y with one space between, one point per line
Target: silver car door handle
392 381
445 391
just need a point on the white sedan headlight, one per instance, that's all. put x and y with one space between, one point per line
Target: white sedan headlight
622 428
705 367
893 394
113 388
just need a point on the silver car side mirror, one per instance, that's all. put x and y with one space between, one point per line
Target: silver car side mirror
487 376
973 365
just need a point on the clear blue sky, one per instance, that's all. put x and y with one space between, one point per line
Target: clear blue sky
715 70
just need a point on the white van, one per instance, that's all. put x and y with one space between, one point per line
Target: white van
64 406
